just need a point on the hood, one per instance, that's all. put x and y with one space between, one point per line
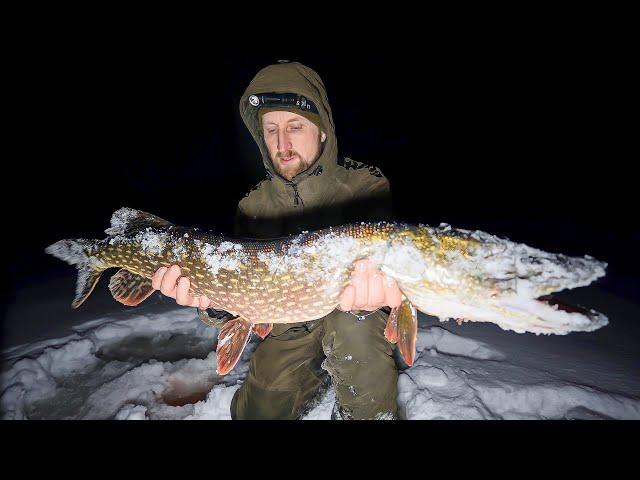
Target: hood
290 78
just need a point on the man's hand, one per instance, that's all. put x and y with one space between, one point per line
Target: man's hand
370 289
171 284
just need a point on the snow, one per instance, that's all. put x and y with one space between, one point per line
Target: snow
152 243
476 276
120 220
161 365
324 260
227 255
485 383
469 275
132 412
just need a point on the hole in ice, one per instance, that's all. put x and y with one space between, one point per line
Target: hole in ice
181 393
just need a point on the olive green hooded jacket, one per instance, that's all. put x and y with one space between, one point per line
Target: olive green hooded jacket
333 191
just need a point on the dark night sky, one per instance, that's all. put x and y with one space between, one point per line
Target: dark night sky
520 138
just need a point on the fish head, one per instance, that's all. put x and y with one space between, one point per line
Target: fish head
458 275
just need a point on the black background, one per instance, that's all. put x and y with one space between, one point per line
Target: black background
521 135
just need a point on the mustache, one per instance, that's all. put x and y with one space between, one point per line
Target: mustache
287 154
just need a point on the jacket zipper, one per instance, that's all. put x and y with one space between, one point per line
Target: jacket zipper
297 199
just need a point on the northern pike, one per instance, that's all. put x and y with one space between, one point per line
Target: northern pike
445 272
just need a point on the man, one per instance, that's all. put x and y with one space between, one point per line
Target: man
308 186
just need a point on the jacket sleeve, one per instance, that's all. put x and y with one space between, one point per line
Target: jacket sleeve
371 200
241 224
380 202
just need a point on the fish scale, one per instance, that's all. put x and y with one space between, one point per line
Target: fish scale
445 272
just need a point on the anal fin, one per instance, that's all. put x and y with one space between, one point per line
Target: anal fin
130 289
262 329
232 338
407 331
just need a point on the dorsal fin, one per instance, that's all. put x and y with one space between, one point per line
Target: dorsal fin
127 220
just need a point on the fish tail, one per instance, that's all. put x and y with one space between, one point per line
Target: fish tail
80 252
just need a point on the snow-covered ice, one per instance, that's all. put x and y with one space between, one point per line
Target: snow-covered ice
160 364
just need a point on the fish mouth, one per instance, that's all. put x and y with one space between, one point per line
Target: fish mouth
565 307
546 314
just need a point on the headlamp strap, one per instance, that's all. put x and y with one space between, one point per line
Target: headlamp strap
275 100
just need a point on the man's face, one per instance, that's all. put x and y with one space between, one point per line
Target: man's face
294 143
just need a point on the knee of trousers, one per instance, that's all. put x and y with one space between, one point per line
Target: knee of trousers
284 376
360 361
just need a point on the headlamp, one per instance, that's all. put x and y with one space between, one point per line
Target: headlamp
283 100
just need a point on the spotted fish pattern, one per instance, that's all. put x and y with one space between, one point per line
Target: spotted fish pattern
441 271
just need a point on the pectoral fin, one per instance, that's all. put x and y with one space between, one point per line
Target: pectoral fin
232 338
128 288
407 331
391 331
262 329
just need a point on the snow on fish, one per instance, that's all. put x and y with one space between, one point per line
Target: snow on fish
444 272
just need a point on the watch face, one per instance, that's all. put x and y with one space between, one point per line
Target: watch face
253 100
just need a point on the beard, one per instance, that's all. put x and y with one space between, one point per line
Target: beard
292 167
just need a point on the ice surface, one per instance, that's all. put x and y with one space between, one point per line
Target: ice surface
440 340
162 366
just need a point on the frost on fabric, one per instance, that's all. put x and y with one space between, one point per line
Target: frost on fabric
384 416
